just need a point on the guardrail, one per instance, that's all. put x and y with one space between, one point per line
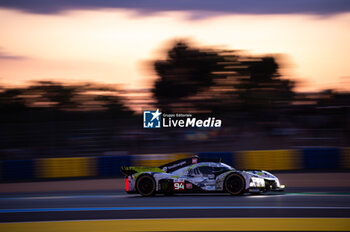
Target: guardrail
109 166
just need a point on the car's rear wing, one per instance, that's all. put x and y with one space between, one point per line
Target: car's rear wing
128 171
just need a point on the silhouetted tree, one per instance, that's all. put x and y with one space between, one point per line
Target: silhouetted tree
184 73
220 81
259 85
62 96
11 100
114 105
47 100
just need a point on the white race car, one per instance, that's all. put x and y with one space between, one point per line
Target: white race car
193 175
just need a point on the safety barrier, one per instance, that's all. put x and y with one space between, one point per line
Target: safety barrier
65 167
345 158
109 166
269 160
321 158
17 169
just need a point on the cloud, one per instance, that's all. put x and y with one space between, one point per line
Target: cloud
145 7
6 56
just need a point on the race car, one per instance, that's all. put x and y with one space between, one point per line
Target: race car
194 175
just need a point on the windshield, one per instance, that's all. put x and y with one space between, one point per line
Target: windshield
212 170
209 168
227 166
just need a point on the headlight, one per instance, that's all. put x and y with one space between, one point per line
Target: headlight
256 182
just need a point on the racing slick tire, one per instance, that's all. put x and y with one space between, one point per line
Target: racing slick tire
146 185
234 184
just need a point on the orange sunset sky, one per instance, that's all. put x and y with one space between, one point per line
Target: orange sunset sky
113 44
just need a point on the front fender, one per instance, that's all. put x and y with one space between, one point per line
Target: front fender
221 178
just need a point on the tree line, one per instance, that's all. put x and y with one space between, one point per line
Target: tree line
190 79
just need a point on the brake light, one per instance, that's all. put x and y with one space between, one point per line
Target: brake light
127 184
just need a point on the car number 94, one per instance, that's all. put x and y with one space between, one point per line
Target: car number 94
179 186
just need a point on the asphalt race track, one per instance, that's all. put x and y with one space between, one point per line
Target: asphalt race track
68 206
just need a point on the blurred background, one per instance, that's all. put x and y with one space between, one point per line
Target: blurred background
75 78
259 108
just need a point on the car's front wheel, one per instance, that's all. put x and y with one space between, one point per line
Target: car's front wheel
146 185
234 184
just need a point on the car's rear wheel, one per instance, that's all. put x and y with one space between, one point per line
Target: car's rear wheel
234 184
146 185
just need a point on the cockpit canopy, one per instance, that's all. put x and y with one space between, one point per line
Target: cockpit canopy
203 169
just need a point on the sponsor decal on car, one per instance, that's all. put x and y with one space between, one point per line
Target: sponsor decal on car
179 186
210 188
194 160
254 190
189 186
178 164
